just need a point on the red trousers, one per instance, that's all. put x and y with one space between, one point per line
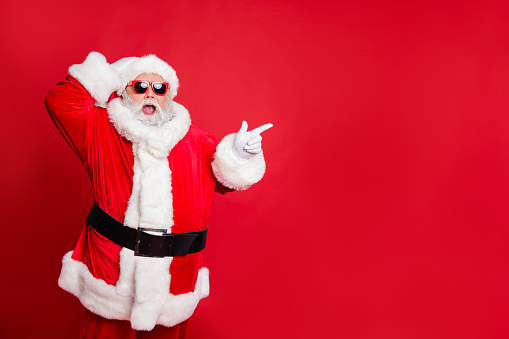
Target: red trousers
96 327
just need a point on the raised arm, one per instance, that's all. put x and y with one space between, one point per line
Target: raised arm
73 101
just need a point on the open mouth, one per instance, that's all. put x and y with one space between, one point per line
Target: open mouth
149 109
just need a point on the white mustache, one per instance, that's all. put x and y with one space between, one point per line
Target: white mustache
152 102
159 117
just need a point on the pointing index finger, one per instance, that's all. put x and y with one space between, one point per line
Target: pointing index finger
261 129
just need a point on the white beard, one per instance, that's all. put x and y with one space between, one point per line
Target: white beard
161 114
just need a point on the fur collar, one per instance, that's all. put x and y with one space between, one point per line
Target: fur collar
156 140
151 201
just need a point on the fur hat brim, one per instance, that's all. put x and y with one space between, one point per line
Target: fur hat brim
149 64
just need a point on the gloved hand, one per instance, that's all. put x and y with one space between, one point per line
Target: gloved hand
120 64
246 143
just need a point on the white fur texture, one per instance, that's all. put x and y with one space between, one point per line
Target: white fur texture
149 64
147 280
157 140
150 204
151 286
235 173
97 76
120 301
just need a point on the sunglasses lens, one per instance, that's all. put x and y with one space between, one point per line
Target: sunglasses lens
159 88
140 87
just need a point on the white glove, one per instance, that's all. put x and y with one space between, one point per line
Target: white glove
120 64
246 143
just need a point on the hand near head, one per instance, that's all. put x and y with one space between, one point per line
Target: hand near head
246 143
120 64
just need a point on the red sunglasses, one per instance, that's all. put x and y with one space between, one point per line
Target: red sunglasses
141 86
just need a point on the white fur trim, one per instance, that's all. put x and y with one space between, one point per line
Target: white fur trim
235 173
146 281
149 64
144 309
158 140
97 76
151 203
152 284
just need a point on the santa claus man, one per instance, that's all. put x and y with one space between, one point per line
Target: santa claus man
137 267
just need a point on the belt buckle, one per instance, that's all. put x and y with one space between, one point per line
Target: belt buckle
150 231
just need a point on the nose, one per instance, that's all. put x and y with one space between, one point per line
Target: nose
149 94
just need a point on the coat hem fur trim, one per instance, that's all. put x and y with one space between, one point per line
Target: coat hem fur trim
115 301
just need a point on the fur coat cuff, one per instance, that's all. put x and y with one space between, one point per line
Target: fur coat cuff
235 173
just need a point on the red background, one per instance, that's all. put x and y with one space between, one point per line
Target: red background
383 212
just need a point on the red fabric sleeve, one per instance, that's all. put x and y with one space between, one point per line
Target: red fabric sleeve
220 188
70 105
210 142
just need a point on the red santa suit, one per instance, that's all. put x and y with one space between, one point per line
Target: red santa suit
144 176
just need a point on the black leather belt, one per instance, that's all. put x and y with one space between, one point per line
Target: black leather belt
143 243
